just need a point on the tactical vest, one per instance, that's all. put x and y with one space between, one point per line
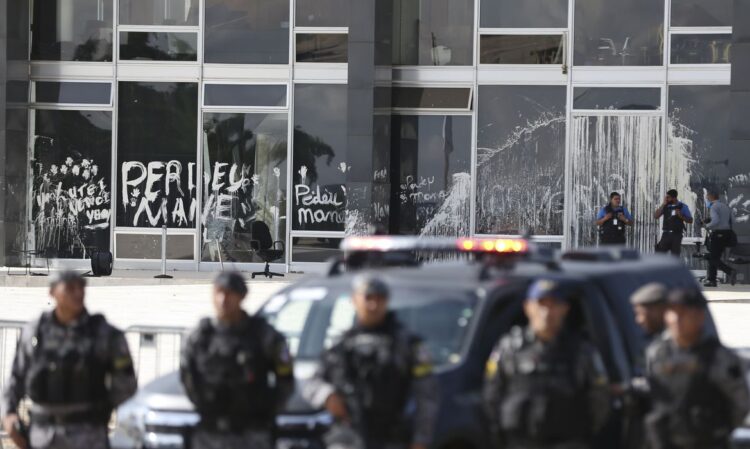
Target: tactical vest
609 232
671 222
67 369
697 410
375 378
545 401
232 375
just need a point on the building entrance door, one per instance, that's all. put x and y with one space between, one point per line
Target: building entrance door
615 151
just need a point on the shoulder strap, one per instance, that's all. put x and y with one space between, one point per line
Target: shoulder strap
36 331
205 330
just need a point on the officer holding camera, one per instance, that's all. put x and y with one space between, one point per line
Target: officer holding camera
612 220
676 215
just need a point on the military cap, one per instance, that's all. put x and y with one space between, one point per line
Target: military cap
231 281
650 294
370 286
690 297
66 277
561 290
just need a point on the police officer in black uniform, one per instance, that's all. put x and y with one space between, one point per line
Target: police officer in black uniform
237 371
368 379
546 387
612 220
676 215
698 386
74 367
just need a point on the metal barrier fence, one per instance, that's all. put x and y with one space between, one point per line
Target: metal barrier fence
10 332
155 350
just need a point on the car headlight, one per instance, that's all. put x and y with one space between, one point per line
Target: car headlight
129 426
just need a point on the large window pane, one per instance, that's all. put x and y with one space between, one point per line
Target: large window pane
520 159
433 32
322 13
698 155
142 46
159 12
313 249
524 14
245 95
156 152
73 30
320 164
322 47
617 98
431 97
433 157
614 32
72 93
148 246
701 49
521 49
250 32
71 197
244 191
692 13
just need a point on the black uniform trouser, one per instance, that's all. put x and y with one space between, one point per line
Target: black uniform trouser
717 243
671 242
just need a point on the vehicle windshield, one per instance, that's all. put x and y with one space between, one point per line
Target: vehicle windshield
314 318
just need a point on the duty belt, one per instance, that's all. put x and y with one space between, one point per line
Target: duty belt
88 417
66 414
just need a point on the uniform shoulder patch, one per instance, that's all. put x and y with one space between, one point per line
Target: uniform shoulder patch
422 360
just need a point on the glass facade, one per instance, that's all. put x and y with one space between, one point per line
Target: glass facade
156 151
320 157
71 182
520 160
244 192
254 32
77 30
239 122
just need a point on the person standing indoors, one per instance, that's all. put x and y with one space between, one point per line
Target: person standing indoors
237 370
369 378
697 386
74 367
720 226
675 215
612 220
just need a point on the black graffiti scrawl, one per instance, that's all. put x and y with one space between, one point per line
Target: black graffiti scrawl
71 199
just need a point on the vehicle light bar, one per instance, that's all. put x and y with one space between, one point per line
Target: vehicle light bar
438 244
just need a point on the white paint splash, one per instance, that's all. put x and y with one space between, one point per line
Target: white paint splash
452 216
520 182
615 153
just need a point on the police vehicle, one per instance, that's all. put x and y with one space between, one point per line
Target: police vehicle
460 305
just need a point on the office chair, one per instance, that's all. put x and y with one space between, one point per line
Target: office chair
264 246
